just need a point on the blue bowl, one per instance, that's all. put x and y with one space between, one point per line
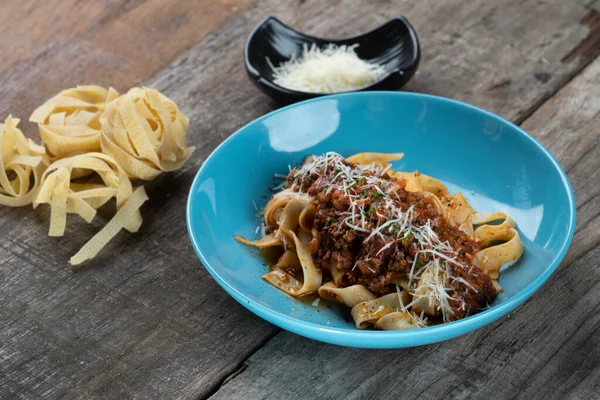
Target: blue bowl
496 165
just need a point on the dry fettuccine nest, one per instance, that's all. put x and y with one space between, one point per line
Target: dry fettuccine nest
145 132
94 143
69 123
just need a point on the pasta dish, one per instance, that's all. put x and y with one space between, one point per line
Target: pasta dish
395 247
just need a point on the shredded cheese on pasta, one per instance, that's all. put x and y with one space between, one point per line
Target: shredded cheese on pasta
435 246
435 290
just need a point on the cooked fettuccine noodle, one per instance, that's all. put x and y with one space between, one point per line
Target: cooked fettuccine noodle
395 247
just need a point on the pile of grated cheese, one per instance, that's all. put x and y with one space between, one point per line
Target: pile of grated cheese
329 70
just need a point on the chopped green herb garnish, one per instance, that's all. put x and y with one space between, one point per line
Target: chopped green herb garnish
329 221
406 239
361 181
365 193
264 196
371 210
410 321
375 195
420 262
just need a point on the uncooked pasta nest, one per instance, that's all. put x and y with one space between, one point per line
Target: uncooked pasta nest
94 143
22 163
69 123
145 132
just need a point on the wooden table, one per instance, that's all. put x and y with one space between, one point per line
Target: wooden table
145 320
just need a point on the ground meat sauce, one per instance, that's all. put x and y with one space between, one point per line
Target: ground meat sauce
375 263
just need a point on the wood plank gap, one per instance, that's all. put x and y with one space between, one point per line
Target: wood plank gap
553 91
240 367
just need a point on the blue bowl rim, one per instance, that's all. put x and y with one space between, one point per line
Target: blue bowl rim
387 339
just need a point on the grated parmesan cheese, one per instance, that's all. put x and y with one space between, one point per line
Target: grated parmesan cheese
329 70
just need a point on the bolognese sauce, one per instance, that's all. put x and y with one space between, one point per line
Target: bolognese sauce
376 233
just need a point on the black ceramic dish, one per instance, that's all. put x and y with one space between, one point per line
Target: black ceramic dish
393 45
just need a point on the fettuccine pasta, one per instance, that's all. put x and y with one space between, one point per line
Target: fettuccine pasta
396 247
144 132
69 123
22 163
94 141
83 198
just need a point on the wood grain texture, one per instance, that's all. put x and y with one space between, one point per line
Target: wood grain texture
547 349
145 320
51 45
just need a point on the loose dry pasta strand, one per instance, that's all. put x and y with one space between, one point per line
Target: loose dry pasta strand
58 190
127 214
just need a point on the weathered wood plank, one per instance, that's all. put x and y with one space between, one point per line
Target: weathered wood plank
145 319
48 46
548 348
